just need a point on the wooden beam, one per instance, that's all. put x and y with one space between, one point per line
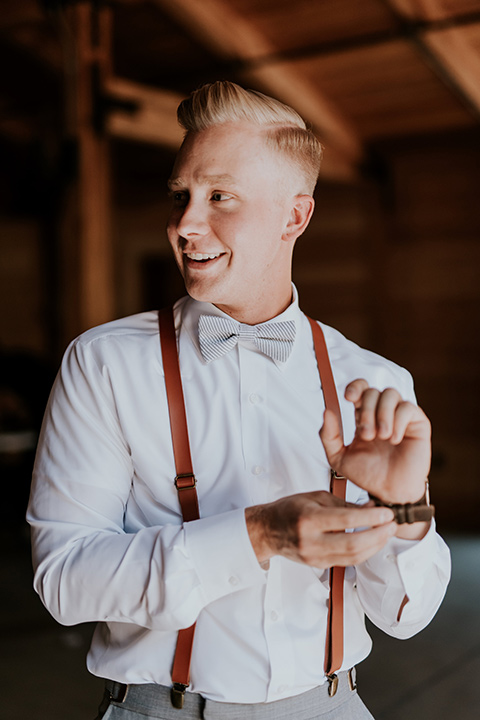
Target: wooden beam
420 9
448 42
232 37
88 284
461 58
152 121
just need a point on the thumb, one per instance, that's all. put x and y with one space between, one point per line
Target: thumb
332 437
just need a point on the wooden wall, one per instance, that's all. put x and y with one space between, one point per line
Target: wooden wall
395 265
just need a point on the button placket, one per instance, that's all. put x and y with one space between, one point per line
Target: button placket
254 425
277 636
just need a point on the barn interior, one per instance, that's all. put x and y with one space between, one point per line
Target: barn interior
88 134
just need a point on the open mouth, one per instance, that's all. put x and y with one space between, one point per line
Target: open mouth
202 258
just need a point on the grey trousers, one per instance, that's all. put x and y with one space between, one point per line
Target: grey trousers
152 702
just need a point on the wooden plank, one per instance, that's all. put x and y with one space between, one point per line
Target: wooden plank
154 121
432 10
458 49
387 90
90 289
233 37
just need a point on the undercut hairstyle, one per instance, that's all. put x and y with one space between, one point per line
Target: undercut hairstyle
285 131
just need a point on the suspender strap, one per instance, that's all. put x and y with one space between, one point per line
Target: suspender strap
186 486
184 482
338 486
185 479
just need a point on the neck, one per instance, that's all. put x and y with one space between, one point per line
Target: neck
259 312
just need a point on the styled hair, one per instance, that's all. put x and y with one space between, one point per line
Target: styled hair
285 131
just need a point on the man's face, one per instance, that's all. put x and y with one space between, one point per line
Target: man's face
232 201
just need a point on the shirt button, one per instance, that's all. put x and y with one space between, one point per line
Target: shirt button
233 580
255 399
274 616
257 470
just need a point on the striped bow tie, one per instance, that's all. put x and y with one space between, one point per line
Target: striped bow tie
218 335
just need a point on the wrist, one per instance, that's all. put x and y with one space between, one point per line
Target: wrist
411 512
256 531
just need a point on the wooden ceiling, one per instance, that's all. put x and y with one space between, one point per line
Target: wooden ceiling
361 72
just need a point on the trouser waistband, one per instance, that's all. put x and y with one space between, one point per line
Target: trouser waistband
154 700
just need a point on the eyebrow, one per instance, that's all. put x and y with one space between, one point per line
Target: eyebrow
177 182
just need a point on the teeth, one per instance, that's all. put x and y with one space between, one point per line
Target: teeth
202 256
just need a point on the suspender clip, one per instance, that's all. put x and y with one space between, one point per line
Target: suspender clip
332 684
177 695
352 680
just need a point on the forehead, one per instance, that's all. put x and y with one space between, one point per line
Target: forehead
229 151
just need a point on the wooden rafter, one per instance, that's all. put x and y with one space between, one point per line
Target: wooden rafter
460 58
151 118
447 50
88 252
433 10
419 9
234 38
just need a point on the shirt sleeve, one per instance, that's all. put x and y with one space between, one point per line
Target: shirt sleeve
402 586
87 567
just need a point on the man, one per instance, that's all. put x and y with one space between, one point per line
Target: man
109 541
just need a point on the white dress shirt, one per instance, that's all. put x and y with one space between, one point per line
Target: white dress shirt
109 543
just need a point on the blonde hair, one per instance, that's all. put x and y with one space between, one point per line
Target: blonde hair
285 131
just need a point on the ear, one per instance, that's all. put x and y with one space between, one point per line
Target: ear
300 214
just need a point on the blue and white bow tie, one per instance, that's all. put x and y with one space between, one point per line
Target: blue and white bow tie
218 335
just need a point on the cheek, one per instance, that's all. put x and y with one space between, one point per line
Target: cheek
172 233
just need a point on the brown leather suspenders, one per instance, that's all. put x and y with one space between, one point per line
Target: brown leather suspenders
185 483
338 487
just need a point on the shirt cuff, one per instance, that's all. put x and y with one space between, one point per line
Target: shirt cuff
413 559
222 554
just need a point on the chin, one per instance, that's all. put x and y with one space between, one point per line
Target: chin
202 293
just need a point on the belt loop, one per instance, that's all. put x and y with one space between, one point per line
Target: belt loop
117 691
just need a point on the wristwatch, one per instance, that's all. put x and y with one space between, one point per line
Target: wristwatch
421 511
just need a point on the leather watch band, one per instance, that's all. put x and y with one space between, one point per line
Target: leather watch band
420 511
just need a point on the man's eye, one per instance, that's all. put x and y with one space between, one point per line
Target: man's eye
219 196
179 198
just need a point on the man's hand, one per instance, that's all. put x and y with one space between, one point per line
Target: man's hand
390 453
389 457
309 528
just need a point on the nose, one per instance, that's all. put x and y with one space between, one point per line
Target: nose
192 219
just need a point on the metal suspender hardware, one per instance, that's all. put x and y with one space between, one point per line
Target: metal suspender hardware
185 483
181 485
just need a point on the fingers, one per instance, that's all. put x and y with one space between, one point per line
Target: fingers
323 542
354 548
332 437
335 515
383 415
310 528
